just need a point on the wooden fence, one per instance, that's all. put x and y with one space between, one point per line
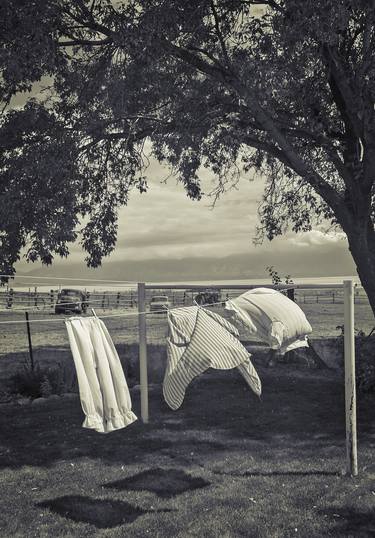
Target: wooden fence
13 299
108 300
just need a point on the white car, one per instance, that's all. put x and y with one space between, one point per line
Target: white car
159 303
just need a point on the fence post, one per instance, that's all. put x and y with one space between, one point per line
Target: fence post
35 296
290 294
142 328
10 298
118 299
350 388
29 340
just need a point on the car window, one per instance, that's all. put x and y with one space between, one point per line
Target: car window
71 293
159 298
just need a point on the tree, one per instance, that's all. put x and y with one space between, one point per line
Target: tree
283 87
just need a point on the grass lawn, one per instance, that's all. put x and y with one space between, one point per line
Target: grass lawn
225 465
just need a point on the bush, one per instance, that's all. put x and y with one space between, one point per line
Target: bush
364 358
365 364
41 382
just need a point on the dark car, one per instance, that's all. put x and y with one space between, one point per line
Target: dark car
208 296
69 300
159 303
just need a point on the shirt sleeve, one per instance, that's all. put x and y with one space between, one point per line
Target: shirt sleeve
223 322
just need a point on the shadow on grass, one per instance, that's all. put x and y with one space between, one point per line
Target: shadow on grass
351 522
279 473
219 413
100 513
166 483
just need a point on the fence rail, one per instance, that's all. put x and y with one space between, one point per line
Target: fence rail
47 300
177 297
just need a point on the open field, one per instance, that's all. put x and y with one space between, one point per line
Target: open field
226 464
50 331
50 341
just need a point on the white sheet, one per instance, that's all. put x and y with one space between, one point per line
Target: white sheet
272 317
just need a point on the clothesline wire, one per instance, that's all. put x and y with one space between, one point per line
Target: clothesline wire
107 293
66 278
52 287
128 314
48 306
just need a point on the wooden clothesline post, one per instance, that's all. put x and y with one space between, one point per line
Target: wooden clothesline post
350 388
142 328
349 355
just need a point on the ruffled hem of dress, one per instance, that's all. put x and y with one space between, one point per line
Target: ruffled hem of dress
109 425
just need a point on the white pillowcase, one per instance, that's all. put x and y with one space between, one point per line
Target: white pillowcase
272 317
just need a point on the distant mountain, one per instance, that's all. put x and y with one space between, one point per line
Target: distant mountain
325 261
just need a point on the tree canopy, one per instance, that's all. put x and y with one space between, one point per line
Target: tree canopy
283 87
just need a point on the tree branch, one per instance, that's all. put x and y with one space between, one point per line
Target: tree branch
216 71
290 155
129 136
219 34
270 3
87 20
342 93
94 43
206 53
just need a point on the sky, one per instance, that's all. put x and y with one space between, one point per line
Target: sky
164 235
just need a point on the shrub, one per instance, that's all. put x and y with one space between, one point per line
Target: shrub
46 387
41 382
364 358
365 364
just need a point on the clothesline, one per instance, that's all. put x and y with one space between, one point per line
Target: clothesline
67 278
128 314
49 305
21 287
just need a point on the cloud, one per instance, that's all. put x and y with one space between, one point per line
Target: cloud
316 238
164 222
164 226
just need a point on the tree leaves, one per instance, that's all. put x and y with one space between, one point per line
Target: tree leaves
283 92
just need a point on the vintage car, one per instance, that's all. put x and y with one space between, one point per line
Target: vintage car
159 303
208 296
70 300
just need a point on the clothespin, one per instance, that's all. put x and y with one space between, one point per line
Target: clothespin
93 313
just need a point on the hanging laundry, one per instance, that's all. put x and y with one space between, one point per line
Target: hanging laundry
103 390
200 339
272 317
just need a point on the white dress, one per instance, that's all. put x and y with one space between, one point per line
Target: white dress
103 390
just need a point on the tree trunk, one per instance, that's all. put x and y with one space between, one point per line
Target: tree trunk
362 248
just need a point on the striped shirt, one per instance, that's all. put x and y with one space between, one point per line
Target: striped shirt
272 317
200 339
